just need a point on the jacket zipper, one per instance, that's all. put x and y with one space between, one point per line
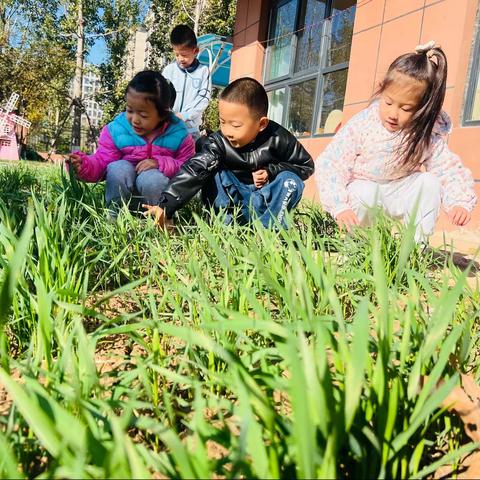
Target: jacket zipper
183 91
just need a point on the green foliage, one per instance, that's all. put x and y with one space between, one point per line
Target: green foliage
220 351
121 17
37 60
218 16
211 121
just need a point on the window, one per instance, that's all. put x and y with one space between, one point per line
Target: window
306 63
472 104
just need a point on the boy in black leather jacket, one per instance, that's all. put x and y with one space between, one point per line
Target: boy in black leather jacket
252 162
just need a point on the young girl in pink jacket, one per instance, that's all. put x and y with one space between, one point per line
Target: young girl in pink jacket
394 153
141 149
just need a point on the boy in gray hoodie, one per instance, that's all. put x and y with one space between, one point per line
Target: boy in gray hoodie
190 79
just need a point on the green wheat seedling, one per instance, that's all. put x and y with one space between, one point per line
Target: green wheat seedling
221 351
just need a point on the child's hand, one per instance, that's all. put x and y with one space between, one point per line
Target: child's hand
75 161
147 164
347 219
159 213
459 216
260 178
179 115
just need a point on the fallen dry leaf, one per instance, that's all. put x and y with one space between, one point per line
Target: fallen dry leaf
468 467
464 400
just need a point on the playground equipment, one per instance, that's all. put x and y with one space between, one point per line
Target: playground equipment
8 122
215 53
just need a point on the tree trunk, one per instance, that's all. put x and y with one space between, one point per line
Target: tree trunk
77 82
199 7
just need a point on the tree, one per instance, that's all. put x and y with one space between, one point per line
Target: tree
119 20
42 53
213 16
34 61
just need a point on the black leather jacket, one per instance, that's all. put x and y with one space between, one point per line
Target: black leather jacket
275 149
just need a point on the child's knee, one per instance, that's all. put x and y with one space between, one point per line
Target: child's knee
364 194
430 184
151 181
121 170
291 183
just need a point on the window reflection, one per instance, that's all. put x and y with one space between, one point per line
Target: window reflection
330 116
276 102
310 39
340 38
476 97
302 103
280 50
306 60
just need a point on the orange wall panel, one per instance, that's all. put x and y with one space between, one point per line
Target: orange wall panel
398 8
465 142
444 22
361 70
369 16
393 43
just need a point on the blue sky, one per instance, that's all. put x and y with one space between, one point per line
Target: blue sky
98 52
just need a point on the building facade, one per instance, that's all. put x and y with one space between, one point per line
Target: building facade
90 86
321 61
137 54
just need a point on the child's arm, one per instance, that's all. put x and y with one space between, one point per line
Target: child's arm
333 167
192 176
92 167
170 165
458 193
192 112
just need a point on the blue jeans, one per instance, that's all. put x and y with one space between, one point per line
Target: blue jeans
268 203
123 185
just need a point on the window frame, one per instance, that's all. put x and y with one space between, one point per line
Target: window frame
474 80
317 72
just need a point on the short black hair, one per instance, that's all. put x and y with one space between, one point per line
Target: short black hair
249 92
156 88
183 35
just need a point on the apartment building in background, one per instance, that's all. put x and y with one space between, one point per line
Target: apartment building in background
90 86
138 51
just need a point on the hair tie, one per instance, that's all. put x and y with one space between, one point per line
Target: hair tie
427 48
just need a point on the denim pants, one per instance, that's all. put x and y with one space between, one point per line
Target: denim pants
268 203
123 185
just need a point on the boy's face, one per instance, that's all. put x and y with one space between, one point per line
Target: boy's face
184 55
238 125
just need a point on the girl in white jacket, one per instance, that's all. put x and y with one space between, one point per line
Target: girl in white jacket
394 154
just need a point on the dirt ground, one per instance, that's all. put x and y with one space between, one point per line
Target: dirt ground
465 246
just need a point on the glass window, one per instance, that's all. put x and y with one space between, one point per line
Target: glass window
276 104
472 106
341 31
333 95
476 103
302 103
306 65
310 38
280 49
